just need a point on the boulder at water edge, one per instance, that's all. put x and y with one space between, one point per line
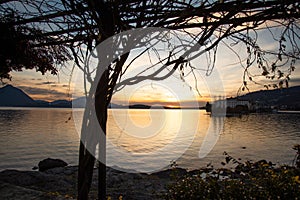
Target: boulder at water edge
50 163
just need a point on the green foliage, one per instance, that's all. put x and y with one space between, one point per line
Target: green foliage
249 180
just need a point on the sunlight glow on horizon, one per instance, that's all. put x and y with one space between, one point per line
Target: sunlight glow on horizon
227 69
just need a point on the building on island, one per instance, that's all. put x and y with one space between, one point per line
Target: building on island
229 106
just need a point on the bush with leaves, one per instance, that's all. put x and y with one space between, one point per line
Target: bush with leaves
249 180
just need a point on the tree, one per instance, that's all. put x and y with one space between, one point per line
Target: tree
22 49
81 25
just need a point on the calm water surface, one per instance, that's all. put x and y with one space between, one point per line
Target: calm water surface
28 135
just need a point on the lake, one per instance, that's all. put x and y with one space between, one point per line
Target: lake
148 140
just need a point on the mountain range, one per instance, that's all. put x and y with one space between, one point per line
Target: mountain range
11 96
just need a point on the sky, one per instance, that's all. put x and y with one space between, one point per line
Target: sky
224 80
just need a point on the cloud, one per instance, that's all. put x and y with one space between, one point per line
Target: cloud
41 91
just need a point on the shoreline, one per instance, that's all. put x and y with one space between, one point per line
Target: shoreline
61 183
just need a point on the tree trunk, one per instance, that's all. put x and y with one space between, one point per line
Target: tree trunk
86 158
101 103
85 172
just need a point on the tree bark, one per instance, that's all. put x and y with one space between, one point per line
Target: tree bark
86 158
85 172
101 103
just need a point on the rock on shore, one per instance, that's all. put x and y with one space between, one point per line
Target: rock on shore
60 183
50 163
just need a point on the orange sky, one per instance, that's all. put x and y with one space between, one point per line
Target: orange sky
52 88
225 80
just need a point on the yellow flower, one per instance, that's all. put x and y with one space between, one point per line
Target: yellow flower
297 179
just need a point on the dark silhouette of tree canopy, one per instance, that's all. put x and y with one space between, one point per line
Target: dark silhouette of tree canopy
19 49
51 30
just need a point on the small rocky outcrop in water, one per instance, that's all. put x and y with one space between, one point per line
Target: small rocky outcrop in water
50 163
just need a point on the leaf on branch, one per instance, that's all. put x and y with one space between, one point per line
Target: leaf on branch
265 72
248 61
286 83
280 84
228 159
279 57
273 67
280 74
293 68
181 67
283 39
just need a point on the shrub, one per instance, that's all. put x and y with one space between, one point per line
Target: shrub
249 180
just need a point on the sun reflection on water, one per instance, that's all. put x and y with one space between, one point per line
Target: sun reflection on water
142 131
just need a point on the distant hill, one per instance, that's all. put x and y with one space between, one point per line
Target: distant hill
12 96
42 103
288 97
139 106
61 103
79 102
